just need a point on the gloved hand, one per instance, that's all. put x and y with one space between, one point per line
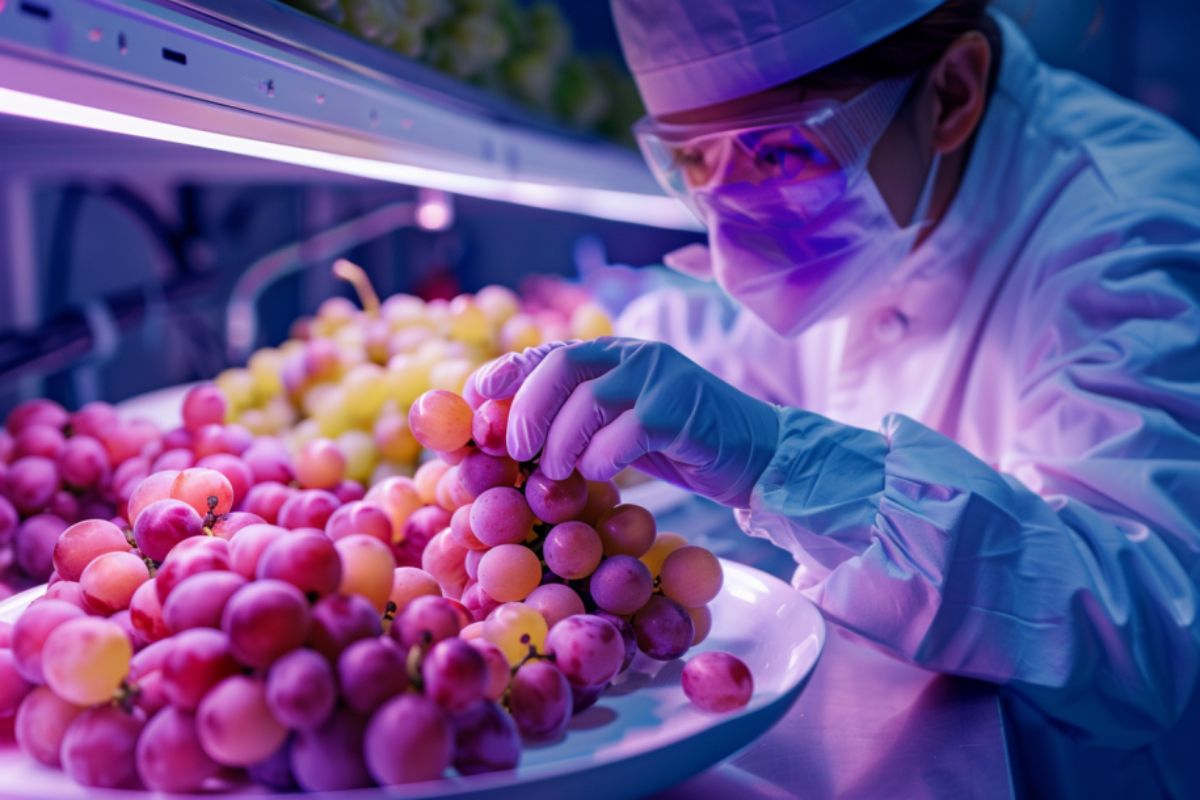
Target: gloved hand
606 404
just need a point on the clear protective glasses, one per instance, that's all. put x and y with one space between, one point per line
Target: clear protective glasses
825 143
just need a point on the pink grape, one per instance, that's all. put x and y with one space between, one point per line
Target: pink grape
177 439
627 636
426 478
426 620
197 487
301 692
455 675
213 439
191 557
94 417
235 470
32 629
587 649
83 462
247 546
38 411
485 740
227 525
111 579
555 501
539 699
498 673
409 583
330 758
146 613
163 524
9 519
196 661
125 440
408 740
509 572
479 472
199 601
626 530
663 628
360 517
621 584
267 499
149 659
275 771
83 541
443 559
42 722
320 465
602 495
489 427
132 472
440 420
34 543
13 687
69 591
691 576
235 724
460 528
100 746
421 527
264 620
7 446
169 755
308 561
31 482
450 492
155 487
572 550
339 620
174 460
5 635
349 491
370 672
65 506
478 602
555 601
42 440
399 498
268 459
204 405
584 698
150 695
501 516
718 682
310 508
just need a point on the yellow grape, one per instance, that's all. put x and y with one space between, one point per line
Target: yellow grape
334 312
399 498
665 544
279 413
403 309
406 379
409 583
498 303
590 321
427 477
256 421
509 572
365 392
394 440
691 576
368 568
361 456
264 367
451 374
468 322
701 621
321 396
304 432
520 332
513 627
333 419
84 660
238 386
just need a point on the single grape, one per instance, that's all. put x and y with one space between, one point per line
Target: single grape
235 724
556 501
572 550
602 495
498 670
509 572
471 563
399 498
584 698
173 461
409 583
479 472
663 628
163 524
275 771
408 740
83 462
204 405
425 621
169 755
370 672
310 508
84 660
44 441
485 740
455 675
489 426
626 530
360 517
421 527
589 650
149 659
33 544
9 518
179 437
197 487
13 687
478 602
320 465
440 420
308 561
330 758
82 542
515 628
70 592
227 525
627 636
199 601
450 492
394 439
718 682
191 557
247 546
539 699
555 601
267 500
31 483
269 461
621 584
702 621
691 576
501 516
301 691
110 580
340 619
664 544
264 620
444 560
367 568
38 411
216 439
460 528
154 487
151 696
235 470
426 479
100 747
196 661
42 722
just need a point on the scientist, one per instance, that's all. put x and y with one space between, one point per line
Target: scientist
961 310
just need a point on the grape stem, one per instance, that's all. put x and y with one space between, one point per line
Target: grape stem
127 695
416 655
389 615
357 277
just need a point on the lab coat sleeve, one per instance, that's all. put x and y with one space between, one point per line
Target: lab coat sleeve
1074 586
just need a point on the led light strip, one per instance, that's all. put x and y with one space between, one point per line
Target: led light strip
661 212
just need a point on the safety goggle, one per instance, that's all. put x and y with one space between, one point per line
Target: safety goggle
825 142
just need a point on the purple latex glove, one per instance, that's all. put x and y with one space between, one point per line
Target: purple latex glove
603 405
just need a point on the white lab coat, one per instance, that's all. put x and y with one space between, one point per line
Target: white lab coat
1029 511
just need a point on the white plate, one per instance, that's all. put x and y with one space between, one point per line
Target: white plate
643 735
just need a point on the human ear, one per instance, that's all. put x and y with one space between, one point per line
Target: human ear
959 82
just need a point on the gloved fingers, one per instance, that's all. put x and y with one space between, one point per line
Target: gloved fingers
501 379
548 386
581 415
614 447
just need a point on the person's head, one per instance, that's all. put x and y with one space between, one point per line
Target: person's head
702 63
